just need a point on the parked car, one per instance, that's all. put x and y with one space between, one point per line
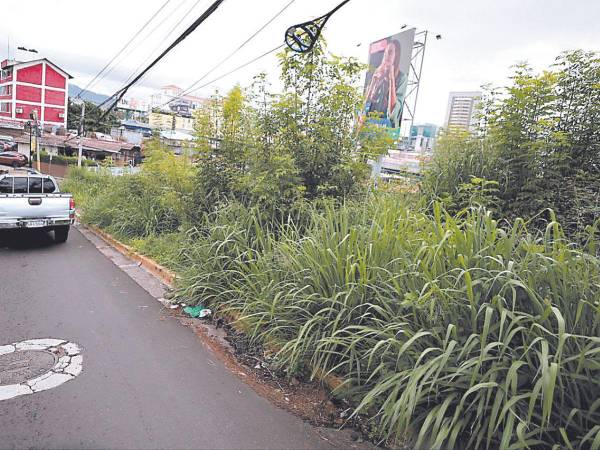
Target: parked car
8 143
14 159
29 199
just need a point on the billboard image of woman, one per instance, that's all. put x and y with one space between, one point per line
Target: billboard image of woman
387 79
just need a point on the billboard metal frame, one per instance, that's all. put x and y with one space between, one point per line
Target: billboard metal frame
414 78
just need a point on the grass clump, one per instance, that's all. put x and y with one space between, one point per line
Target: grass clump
470 334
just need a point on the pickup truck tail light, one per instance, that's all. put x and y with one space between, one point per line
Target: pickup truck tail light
71 208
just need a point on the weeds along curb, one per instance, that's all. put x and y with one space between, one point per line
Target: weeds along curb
168 278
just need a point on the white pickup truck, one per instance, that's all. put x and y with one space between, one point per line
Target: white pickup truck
29 199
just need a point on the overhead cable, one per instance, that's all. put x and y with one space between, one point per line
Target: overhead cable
205 15
302 38
99 74
193 87
247 63
173 29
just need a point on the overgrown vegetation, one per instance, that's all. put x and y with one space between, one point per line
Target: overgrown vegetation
468 334
453 323
538 147
273 150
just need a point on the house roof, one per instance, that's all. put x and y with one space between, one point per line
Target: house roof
194 98
19 63
86 143
135 123
176 135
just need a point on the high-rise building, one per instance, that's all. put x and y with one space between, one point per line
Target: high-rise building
462 110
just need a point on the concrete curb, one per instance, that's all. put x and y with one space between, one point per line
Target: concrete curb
165 275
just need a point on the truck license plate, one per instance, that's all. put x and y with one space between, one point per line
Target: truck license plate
35 224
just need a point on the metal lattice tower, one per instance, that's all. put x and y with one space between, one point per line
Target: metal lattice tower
414 81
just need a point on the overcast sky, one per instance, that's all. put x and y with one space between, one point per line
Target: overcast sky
481 38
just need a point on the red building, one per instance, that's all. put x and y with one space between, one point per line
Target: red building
34 85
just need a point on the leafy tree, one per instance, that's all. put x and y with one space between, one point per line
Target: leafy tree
221 128
271 150
540 144
93 113
317 115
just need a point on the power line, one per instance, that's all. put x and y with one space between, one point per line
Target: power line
124 47
191 88
149 34
168 35
205 15
247 63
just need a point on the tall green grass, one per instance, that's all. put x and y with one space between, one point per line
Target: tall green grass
448 329
130 206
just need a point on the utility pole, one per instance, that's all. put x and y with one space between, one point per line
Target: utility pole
81 129
34 141
31 143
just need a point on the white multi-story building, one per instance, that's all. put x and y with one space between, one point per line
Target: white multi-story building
462 110
422 137
169 99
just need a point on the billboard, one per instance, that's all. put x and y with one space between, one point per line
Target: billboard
387 78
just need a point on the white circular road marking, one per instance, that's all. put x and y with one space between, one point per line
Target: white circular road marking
69 364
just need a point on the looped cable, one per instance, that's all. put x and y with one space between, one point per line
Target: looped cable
302 38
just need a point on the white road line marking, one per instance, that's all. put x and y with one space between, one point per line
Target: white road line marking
65 369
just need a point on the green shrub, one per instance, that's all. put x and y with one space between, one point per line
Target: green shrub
466 334
149 203
539 143
64 160
84 185
133 206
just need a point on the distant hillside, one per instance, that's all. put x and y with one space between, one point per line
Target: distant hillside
89 96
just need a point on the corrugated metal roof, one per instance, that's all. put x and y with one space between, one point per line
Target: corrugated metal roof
87 143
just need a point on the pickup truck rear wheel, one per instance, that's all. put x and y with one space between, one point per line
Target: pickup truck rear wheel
61 233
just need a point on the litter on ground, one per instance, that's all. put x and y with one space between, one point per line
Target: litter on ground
197 311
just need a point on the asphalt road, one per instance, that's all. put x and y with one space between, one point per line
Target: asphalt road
147 381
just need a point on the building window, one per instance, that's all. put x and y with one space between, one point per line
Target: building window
5 107
5 73
6 90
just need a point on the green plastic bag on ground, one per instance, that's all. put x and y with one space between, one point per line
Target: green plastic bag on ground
197 311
